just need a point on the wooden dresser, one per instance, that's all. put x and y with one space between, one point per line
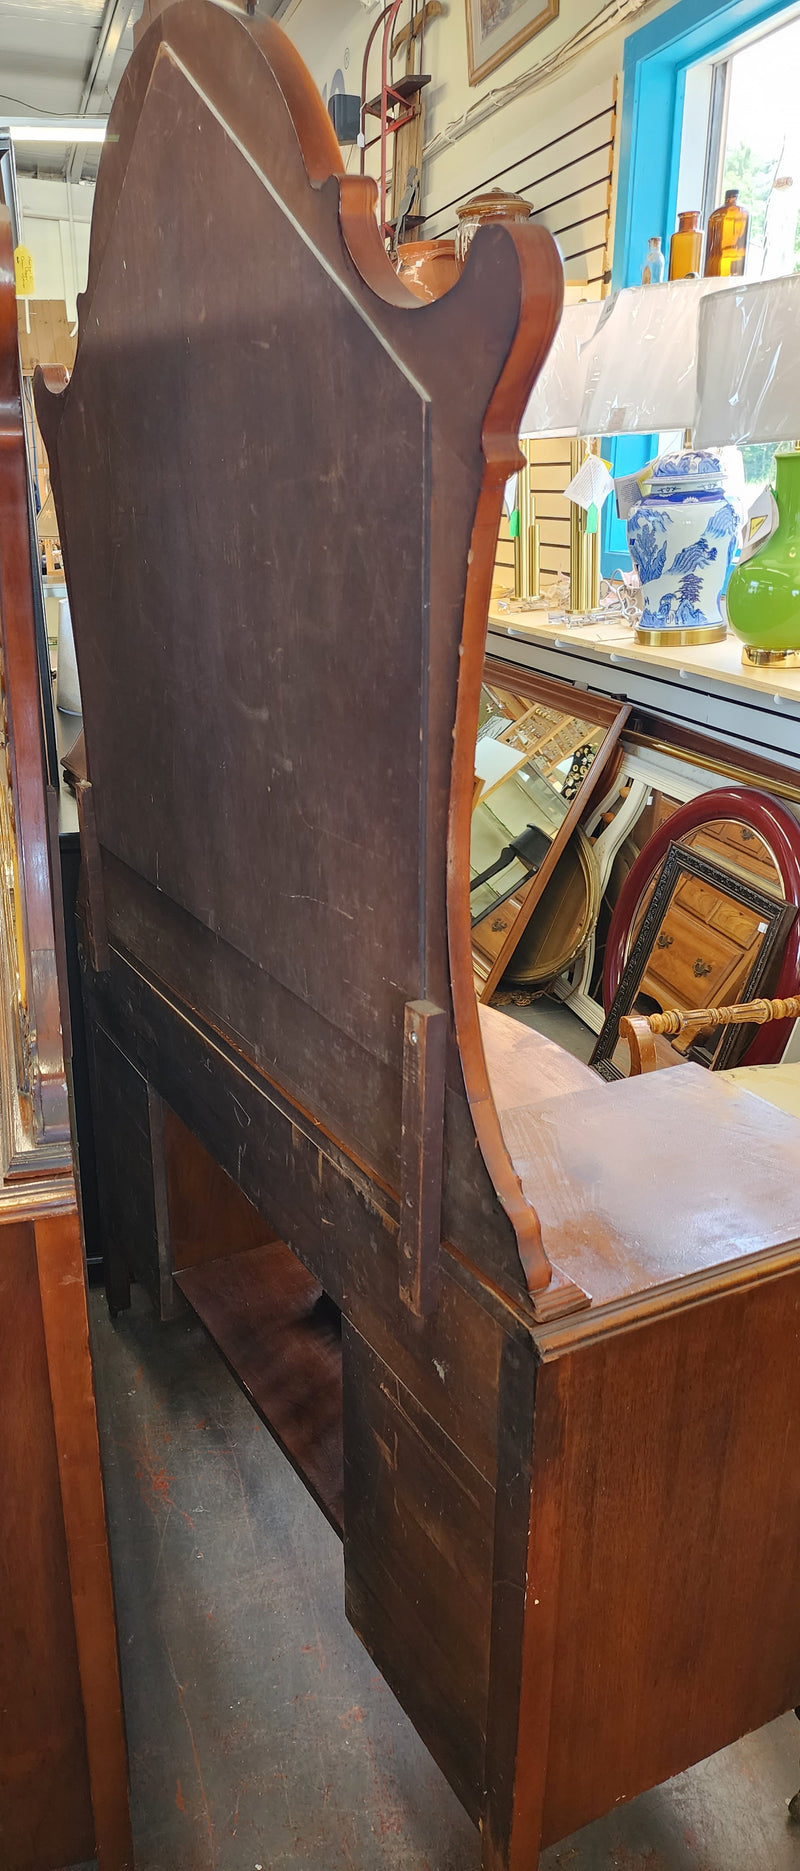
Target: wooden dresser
709 939
63 1780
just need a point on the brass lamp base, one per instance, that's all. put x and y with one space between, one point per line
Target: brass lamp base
765 659
681 639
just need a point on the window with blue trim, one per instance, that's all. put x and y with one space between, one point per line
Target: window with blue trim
709 102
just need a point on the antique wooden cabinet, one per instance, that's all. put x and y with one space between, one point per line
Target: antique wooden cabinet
558 1424
63 1781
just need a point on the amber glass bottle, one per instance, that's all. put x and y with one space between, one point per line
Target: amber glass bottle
686 247
726 246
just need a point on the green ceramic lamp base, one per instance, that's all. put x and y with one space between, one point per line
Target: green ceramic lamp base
763 597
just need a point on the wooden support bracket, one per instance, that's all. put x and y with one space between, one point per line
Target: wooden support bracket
421 1154
91 901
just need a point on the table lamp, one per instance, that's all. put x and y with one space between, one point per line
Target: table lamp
641 369
554 409
748 390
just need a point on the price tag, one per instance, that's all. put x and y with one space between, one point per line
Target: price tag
23 272
762 521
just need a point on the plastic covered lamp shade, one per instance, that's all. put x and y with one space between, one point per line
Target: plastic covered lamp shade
641 364
556 402
748 380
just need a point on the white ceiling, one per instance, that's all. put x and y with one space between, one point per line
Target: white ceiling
48 49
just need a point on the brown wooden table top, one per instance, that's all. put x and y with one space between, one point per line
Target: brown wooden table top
648 1181
523 1065
656 1179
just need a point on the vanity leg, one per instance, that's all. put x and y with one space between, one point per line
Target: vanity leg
117 1280
128 1117
525 1609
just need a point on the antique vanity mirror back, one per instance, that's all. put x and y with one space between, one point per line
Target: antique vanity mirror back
279 958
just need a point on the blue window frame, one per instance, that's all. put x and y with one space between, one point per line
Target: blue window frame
655 63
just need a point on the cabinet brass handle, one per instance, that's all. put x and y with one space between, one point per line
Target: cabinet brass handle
700 968
665 941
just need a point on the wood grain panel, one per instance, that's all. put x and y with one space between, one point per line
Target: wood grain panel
50 339
679 1621
668 1151
66 1333
418 1562
266 1314
45 1801
332 738
208 1215
523 1065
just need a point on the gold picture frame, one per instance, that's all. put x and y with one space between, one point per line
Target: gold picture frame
496 28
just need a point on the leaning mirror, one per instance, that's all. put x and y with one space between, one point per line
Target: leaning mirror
540 750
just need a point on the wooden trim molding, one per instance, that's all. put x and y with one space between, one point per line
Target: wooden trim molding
66 1329
542 289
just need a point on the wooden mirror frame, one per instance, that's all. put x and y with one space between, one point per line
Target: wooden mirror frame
779 914
601 710
34 1114
780 831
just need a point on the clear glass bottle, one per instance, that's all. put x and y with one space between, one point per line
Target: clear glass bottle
726 247
686 246
653 269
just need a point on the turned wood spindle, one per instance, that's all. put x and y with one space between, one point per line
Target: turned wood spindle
639 1030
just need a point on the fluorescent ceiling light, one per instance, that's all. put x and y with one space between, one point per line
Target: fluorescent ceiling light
78 130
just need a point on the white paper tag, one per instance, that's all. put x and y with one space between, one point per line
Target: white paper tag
762 521
592 484
630 489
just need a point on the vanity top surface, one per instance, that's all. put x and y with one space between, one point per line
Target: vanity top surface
646 1182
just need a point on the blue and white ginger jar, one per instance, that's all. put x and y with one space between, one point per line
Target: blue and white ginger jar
682 537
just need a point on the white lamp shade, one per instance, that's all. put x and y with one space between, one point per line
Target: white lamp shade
556 401
748 382
641 365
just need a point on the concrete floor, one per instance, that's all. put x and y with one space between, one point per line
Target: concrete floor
261 1735
556 1021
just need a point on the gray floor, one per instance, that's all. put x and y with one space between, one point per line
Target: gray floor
558 1022
261 1736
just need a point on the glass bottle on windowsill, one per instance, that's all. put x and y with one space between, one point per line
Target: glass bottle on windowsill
726 247
686 247
653 269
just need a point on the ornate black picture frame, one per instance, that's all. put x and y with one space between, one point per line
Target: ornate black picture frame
681 861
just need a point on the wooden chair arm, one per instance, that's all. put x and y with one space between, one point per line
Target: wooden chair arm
640 1030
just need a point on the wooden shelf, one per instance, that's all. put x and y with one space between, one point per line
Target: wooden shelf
401 92
410 222
279 1336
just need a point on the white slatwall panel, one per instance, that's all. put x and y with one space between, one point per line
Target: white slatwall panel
568 181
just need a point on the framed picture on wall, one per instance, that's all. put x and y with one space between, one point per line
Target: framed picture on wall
496 28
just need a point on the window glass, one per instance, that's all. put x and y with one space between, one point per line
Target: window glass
761 148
